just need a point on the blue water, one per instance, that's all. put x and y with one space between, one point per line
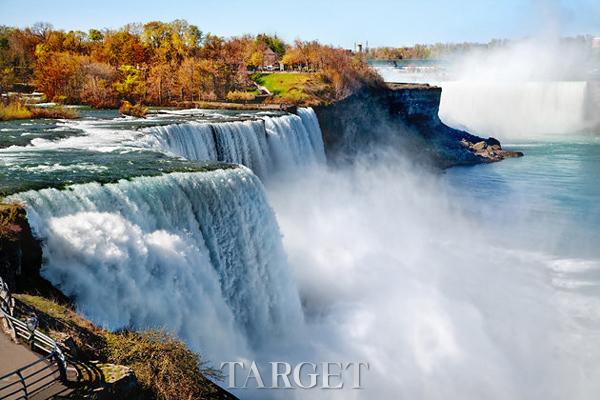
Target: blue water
552 193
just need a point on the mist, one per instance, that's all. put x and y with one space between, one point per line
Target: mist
538 87
394 268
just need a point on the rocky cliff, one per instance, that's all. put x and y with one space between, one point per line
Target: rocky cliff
21 254
404 116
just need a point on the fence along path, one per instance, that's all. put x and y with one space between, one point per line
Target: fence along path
26 374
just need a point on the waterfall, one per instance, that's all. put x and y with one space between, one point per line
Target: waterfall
198 253
243 143
506 109
265 145
295 140
192 140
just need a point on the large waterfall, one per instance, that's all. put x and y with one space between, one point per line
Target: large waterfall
265 144
199 253
510 109
519 109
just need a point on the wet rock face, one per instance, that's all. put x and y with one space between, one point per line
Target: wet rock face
404 116
21 254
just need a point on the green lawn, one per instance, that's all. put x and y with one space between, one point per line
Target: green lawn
284 84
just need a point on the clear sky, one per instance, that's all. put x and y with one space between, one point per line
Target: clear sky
338 22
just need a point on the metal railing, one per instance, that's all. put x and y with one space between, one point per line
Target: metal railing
29 380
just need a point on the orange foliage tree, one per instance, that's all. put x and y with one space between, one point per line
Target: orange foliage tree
162 63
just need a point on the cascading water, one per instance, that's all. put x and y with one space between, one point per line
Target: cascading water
517 109
295 140
192 140
265 145
541 86
480 290
510 109
199 253
243 143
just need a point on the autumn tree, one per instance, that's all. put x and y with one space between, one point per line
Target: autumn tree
129 83
272 42
164 62
59 75
17 56
161 83
95 35
99 85
122 48
188 79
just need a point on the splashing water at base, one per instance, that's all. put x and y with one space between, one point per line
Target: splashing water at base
441 298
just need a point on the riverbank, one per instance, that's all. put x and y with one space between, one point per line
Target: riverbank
15 110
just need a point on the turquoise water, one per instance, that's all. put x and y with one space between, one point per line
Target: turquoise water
552 194
100 146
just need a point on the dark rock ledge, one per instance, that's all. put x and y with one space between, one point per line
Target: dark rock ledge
405 117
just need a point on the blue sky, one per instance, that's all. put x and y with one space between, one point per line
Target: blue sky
338 22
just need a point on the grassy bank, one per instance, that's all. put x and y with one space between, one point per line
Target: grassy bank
17 110
295 87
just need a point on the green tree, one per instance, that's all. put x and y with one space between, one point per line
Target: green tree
130 84
95 35
273 42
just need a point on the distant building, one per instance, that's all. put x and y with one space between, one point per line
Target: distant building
596 43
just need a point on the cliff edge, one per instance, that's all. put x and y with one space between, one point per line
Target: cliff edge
404 116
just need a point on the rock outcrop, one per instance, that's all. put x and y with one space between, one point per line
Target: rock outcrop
404 116
489 150
21 255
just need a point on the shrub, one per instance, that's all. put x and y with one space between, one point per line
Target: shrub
57 112
14 110
162 364
11 216
237 95
17 110
137 110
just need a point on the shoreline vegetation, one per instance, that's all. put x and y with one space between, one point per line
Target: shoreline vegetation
173 64
15 109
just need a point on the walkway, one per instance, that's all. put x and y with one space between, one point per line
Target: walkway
13 356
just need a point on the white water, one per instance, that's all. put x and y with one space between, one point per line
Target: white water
517 109
198 253
265 144
511 109
268 145
537 87
445 298
392 267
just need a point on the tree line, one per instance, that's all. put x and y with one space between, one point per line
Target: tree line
443 50
161 63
